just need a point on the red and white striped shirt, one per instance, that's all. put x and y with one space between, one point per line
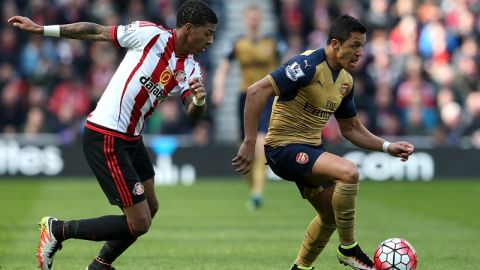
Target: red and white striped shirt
150 72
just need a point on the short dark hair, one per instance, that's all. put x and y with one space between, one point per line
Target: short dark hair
195 12
343 26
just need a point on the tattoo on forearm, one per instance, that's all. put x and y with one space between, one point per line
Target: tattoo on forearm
85 31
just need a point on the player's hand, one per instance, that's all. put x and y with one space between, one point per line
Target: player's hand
401 149
243 161
197 88
26 24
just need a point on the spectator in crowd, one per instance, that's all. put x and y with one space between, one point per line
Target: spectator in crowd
35 122
403 39
12 108
8 46
69 103
451 115
377 15
416 100
170 114
104 60
37 119
386 120
472 113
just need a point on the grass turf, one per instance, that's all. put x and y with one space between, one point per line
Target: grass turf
207 226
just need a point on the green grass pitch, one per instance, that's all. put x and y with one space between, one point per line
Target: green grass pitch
207 226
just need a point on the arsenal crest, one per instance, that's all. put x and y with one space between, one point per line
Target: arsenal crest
180 76
301 158
344 89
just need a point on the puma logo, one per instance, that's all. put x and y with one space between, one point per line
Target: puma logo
306 63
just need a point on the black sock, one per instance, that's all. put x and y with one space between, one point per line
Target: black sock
57 230
98 264
97 229
112 249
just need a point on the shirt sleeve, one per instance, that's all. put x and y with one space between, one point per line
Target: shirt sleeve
347 108
134 35
289 78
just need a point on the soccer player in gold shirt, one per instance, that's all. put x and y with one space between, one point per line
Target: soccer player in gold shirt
308 89
257 55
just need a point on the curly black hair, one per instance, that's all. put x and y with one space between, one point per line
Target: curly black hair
195 12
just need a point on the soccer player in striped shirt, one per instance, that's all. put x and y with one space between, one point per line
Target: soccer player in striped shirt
158 64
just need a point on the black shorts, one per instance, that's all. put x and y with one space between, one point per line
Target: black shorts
293 161
263 121
120 166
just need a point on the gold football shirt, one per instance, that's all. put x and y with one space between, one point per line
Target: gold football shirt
308 92
257 58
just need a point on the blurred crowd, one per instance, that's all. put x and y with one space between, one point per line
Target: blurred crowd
419 74
49 85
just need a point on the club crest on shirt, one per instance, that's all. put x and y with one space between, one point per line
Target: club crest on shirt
294 71
180 76
344 89
138 189
301 158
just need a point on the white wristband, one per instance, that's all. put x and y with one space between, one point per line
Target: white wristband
385 146
51 30
198 102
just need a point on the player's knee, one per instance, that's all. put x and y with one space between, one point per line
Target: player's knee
350 173
140 226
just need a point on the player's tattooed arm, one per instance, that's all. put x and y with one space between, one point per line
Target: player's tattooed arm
86 31
80 30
